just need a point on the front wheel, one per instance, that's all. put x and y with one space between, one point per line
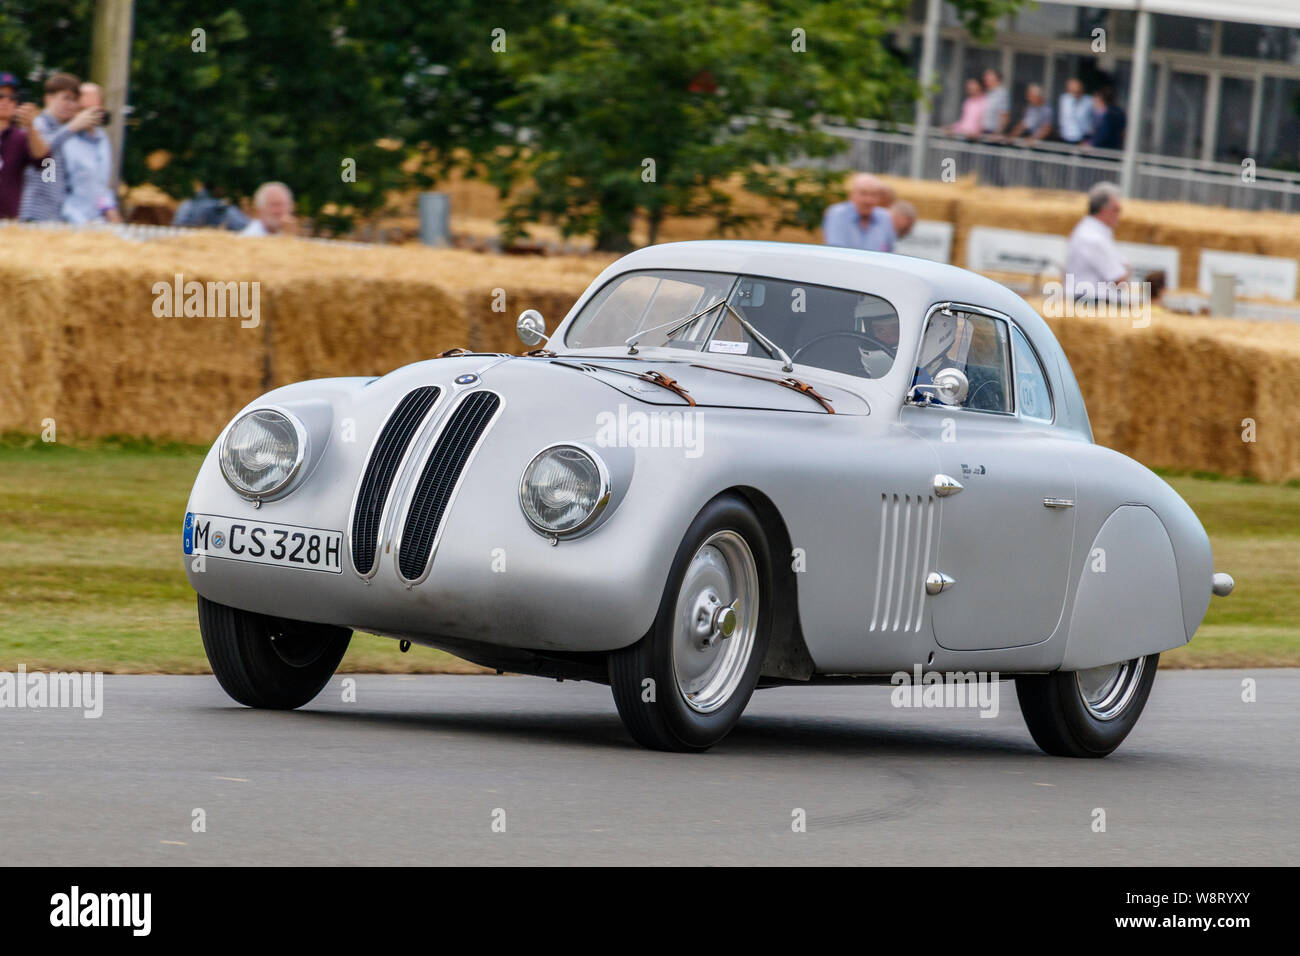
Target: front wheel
267 662
685 684
1086 713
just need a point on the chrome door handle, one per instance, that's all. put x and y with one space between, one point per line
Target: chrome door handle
1058 502
937 581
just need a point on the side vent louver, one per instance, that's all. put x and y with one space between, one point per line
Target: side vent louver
907 529
438 480
376 482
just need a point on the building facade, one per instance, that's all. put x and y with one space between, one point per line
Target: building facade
1222 81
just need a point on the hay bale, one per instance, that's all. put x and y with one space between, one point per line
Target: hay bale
85 347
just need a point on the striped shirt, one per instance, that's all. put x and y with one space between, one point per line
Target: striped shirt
44 185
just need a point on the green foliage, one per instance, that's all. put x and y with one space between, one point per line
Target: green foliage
282 91
650 107
569 97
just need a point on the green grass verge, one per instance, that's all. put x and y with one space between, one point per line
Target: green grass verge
90 574
91 578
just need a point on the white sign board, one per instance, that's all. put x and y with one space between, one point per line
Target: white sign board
929 239
1264 277
1007 250
1144 260
1041 253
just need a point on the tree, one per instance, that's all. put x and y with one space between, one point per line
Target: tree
272 89
602 110
237 92
652 106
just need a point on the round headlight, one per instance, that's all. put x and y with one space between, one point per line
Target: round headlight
563 489
262 452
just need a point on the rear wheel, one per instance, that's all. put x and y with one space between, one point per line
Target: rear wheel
1086 713
685 684
267 662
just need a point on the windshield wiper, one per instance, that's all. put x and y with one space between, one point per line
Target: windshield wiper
677 325
774 350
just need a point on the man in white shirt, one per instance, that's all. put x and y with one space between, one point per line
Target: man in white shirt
273 206
1092 261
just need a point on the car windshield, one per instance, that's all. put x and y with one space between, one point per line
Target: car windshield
836 329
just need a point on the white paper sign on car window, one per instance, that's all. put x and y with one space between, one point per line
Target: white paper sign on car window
730 348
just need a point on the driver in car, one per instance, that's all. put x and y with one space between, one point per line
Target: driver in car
933 358
882 330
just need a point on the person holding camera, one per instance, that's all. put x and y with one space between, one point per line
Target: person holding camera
88 158
45 183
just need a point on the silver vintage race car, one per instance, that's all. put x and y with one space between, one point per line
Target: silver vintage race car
733 465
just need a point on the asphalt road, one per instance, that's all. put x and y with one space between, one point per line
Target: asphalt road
414 771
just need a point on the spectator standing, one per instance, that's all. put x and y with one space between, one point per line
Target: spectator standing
1111 120
45 184
1074 113
997 104
971 122
863 220
1092 259
1036 122
20 145
273 211
88 157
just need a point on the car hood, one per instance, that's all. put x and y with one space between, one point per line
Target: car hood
549 379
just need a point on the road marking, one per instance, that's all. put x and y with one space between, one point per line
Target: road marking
235 779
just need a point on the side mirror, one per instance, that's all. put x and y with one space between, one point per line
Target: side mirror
951 386
531 327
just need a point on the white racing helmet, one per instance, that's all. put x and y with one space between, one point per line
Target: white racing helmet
939 337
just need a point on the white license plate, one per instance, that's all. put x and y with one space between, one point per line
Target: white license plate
284 545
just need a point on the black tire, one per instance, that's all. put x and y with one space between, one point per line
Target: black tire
267 662
668 722
1062 725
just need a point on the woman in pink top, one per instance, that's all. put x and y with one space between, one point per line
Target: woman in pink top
972 111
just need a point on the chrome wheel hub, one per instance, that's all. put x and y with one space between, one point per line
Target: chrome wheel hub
1107 690
715 621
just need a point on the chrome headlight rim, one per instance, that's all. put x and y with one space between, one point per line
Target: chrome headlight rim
286 485
603 498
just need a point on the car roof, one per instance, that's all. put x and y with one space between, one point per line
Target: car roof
910 284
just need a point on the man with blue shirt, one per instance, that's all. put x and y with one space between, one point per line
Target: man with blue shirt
1075 112
862 221
88 158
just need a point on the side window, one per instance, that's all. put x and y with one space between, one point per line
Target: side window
1033 397
978 346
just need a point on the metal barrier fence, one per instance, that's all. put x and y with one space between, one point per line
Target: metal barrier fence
1060 166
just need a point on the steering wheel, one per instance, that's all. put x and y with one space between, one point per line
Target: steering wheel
844 333
996 394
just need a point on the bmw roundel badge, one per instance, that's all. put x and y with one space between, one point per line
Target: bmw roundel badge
469 378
